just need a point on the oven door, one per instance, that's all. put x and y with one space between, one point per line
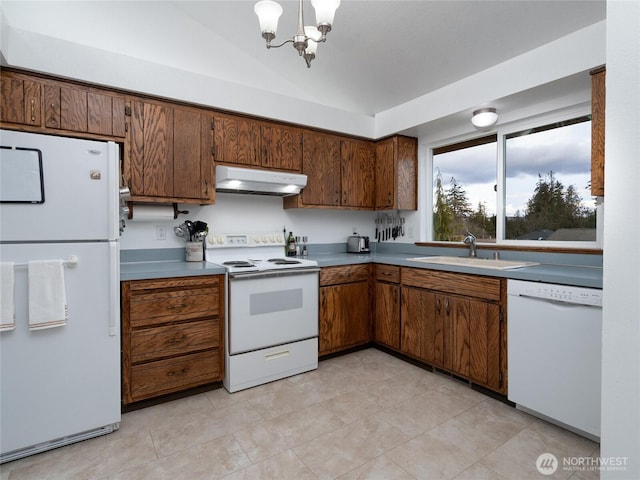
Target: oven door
272 308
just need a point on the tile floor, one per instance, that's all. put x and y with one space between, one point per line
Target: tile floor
366 415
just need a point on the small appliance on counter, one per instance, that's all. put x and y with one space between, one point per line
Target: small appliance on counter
358 244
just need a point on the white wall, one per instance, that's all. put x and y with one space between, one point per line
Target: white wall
254 214
621 309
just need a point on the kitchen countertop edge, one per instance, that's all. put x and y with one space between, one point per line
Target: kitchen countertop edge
581 276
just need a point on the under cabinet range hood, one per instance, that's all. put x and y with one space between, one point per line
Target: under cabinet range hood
258 182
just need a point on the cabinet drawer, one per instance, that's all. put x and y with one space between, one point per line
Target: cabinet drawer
164 306
165 376
387 273
487 288
153 343
344 274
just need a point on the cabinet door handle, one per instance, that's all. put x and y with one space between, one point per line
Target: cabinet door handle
179 305
33 110
176 339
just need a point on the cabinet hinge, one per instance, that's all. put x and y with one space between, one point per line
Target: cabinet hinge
500 380
127 111
126 127
213 124
501 317
213 151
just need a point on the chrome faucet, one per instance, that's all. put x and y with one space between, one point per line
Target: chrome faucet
470 240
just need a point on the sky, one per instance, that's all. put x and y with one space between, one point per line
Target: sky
566 151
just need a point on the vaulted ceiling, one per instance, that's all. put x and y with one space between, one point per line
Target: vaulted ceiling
384 53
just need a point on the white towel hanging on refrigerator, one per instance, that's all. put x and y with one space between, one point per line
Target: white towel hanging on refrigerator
7 301
47 294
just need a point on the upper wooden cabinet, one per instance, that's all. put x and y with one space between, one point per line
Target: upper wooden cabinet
396 178
21 100
340 172
281 147
358 163
598 97
62 106
237 140
246 142
170 154
321 164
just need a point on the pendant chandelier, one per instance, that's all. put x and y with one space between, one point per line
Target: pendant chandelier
306 38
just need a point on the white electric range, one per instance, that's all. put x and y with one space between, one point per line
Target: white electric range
271 308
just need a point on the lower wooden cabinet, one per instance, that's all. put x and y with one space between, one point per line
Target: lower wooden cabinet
344 308
386 315
456 322
172 335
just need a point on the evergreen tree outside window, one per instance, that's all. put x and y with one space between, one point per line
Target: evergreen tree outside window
547 187
464 190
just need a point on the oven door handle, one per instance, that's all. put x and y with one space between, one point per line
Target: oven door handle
273 273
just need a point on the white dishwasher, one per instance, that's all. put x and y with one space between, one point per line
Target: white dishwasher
555 352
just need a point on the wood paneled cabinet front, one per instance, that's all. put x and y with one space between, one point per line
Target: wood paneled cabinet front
396 179
250 143
386 316
64 106
340 173
237 141
456 322
172 335
170 154
344 308
281 147
598 102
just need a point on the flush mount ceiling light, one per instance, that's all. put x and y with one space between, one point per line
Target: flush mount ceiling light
484 117
306 39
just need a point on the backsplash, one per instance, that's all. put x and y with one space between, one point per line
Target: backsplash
234 213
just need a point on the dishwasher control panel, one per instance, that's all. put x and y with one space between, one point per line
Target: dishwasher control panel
559 293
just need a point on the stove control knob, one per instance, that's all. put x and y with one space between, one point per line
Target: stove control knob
220 239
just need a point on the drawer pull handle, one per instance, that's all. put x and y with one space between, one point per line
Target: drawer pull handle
276 355
176 339
173 373
173 307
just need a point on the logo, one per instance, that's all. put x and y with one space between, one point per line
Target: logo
547 464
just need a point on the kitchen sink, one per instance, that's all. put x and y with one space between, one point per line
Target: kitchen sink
475 262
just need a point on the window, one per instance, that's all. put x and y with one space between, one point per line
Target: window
547 175
522 186
464 190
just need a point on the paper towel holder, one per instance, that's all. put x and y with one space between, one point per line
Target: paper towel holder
176 211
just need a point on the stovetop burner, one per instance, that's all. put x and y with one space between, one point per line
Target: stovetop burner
238 263
283 261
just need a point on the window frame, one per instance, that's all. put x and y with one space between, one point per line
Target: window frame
501 131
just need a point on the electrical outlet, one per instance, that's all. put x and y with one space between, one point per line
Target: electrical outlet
161 232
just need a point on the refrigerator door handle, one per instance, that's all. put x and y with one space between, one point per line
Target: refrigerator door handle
114 288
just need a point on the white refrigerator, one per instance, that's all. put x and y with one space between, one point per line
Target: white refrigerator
60 327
